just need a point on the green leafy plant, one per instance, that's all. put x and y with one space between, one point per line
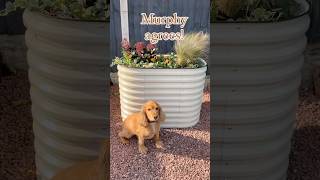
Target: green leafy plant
141 56
67 9
255 10
229 7
187 55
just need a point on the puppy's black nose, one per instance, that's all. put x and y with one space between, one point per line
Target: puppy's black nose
156 117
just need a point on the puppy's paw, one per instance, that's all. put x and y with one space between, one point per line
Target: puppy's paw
159 145
124 141
143 150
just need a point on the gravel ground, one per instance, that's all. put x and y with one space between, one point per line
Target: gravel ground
16 137
305 150
186 155
187 151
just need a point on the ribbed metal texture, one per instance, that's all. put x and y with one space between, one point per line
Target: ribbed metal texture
67 61
178 91
256 75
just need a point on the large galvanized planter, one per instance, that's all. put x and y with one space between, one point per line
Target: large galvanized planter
256 75
67 68
178 91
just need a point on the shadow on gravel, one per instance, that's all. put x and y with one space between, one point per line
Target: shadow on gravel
180 145
190 144
305 154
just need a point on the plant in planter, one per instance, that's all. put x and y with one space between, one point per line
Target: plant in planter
67 56
175 80
256 10
258 54
66 9
188 54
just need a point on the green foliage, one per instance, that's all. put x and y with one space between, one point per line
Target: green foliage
161 62
229 7
142 56
68 9
255 10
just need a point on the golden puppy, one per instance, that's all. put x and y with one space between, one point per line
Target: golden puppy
144 125
89 170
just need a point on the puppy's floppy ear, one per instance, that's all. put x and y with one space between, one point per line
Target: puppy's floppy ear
161 114
144 120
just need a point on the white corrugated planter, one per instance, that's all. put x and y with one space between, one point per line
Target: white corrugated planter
67 62
178 91
256 75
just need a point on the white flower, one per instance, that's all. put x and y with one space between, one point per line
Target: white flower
150 65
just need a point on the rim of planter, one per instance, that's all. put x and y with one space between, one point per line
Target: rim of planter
305 4
205 65
69 19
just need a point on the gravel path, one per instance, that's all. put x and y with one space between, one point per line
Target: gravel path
187 153
16 137
305 151
186 156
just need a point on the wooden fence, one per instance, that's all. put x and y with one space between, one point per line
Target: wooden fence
198 12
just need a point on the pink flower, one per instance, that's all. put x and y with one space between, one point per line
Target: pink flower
151 46
139 47
125 44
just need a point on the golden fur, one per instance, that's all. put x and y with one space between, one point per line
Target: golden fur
89 170
145 125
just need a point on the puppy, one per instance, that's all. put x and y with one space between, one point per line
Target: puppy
88 170
144 125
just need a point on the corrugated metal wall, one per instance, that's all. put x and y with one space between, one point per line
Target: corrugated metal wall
256 75
67 69
197 11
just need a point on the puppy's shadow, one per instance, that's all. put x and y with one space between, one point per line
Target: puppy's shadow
182 145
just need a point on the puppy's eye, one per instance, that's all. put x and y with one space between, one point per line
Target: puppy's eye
149 109
157 108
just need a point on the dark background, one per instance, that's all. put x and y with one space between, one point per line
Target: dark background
314 31
11 24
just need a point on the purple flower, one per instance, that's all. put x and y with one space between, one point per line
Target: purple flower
139 47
